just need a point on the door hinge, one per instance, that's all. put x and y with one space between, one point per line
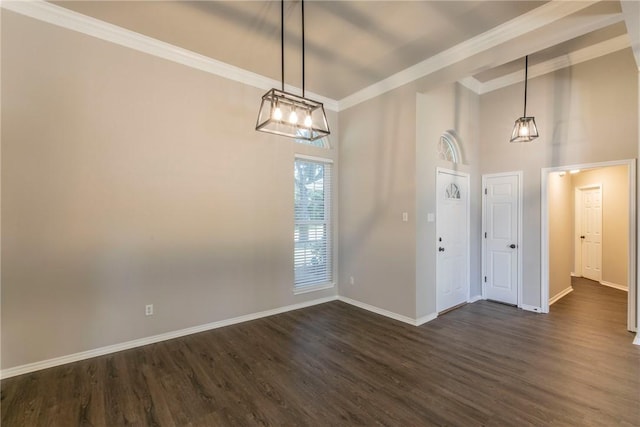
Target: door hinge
485 279
485 234
485 191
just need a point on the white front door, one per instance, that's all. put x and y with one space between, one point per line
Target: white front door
591 224
452 229
501 222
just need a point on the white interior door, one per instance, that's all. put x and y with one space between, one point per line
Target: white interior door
591 235
501 223
452 229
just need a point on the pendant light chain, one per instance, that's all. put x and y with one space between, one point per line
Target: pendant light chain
282 42
526 74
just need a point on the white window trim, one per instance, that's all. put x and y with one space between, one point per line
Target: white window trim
314 158
312 288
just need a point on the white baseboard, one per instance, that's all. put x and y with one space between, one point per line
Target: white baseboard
560 294
475 299
531 308
575 274
390 314
57 361
636 340
615 286
425 319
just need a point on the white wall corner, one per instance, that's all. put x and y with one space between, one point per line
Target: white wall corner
378 310
472 84
560 295
533 308
475 299
425 319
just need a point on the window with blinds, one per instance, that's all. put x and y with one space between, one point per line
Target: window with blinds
312 256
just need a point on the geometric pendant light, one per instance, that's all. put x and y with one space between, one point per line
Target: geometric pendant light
525 129
290 115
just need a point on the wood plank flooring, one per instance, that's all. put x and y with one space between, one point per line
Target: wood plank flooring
334 364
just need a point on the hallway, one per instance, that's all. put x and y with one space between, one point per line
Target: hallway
593 307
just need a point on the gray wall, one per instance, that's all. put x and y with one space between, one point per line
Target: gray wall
587 113
129 180
450 107
388 158
377 184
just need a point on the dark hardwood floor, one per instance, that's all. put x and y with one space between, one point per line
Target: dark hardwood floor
334 364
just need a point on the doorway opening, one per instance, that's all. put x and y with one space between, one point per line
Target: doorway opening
589 230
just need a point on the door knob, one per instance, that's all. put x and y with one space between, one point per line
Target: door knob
582 237
440 249
512 246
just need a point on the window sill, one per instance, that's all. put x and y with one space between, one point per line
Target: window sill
312 288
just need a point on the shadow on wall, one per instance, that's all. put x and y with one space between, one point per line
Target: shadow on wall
384 143
269 29
560 114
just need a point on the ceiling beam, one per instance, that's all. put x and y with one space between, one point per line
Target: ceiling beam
531 21
495 47
576 57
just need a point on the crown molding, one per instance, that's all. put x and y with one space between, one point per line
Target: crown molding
576 57
530 21
523 24
65 18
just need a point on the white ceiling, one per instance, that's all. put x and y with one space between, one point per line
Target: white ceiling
355 49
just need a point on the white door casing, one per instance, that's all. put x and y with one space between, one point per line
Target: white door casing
589 225
452 245
502 231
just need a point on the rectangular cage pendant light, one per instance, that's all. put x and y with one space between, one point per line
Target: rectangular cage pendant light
285 114
525 129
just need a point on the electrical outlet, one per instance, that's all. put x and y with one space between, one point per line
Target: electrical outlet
148 310
352 280
405 216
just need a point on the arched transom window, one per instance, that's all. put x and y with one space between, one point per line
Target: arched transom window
448 148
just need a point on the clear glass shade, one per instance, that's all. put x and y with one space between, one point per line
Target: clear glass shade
285 114
525 130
